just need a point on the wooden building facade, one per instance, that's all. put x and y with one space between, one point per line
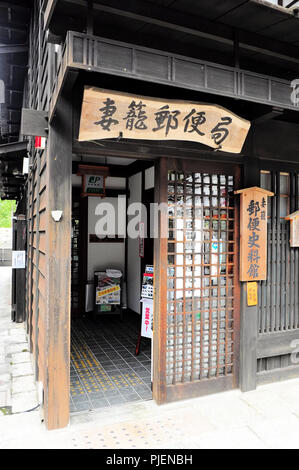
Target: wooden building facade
206 337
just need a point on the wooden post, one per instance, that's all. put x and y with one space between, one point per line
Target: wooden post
59 163
13 276
248 315
160 289
248 342
20 277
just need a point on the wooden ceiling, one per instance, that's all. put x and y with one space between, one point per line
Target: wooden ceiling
14 28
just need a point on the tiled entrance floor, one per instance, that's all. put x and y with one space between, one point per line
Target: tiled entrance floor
104 368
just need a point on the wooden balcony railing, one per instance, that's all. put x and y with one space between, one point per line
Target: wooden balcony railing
91 53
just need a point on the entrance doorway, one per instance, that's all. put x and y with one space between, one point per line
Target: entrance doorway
105 370
197 309
196 295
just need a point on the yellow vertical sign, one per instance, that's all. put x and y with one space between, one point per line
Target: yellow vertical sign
251 293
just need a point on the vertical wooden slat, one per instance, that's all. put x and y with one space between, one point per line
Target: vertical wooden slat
277 256
36 292
160 288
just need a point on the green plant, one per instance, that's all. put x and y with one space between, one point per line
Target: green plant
6 210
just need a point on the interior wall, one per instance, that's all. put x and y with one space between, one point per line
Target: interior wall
149 178
103 255
112 255
134 261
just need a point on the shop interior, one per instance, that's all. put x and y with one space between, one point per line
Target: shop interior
110 355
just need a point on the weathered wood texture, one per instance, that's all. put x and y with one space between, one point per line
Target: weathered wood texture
37 95
58 278
160 288
249 315
278 310
211 117
97 54
20 278
253 234
196 323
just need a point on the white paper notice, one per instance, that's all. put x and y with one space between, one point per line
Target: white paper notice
18 259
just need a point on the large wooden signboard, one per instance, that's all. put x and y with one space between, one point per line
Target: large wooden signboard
110 114
253 233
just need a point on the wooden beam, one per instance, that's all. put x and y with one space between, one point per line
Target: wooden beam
13 49
276 343
58 281
14 6
51 4
275 112
90 18
19 27
169 18
277 375
13 147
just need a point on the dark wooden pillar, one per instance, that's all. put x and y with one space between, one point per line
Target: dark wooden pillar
18 312
58 284
248 315
13 275
20 276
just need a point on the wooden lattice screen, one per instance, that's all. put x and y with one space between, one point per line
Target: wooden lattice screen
279 294
202 308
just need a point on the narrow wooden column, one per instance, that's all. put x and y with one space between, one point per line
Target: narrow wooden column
58 283
248 342
248 315
160 289
20 273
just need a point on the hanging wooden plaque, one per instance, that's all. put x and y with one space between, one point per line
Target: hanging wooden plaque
111 114
253 233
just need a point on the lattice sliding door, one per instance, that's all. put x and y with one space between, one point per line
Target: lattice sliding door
201 311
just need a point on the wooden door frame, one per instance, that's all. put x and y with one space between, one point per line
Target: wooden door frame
162 392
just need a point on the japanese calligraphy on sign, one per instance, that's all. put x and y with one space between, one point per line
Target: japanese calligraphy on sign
110 114
252 298
253 234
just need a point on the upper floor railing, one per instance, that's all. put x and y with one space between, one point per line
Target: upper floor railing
95 54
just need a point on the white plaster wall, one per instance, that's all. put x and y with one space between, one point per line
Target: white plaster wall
134 283
103 255
149 178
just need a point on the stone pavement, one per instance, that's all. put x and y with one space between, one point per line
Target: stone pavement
17 385
262 419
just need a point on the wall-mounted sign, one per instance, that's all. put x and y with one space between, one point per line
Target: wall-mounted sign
18 259
94 184
93 179
110 114
40 142
253 233
252 294
147 318
294 228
